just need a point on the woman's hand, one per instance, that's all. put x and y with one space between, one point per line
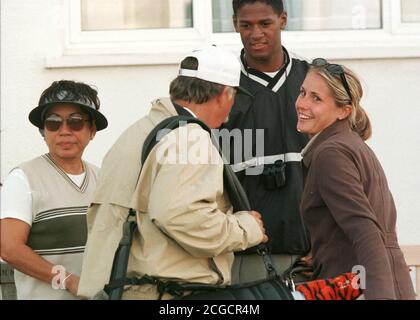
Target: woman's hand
307 262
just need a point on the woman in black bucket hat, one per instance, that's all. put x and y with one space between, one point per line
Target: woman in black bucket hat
69 92
44 200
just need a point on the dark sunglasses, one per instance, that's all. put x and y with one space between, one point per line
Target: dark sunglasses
75 122
333 69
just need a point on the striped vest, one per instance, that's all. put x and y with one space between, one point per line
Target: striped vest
58 231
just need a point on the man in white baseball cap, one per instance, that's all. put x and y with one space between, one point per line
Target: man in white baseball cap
216 65
187 229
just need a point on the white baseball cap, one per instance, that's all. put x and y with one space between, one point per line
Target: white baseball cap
216 65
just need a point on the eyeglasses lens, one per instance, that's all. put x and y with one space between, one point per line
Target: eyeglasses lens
319 62
333 69
54 122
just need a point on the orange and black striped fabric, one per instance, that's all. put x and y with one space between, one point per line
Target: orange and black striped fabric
343 287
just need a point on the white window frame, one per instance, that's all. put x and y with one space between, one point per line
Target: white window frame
167 46
399 26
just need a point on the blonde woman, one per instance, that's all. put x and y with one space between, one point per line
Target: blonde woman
346 203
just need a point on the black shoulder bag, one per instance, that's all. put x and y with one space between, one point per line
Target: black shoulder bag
272 288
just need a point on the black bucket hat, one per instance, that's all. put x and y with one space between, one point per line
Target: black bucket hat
37 115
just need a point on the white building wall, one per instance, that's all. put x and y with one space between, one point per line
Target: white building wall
30 31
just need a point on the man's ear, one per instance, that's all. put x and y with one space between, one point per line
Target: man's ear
223 97
283 20
235 23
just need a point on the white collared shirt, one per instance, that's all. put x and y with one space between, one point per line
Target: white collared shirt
192 113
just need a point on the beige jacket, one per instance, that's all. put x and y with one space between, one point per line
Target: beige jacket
187 230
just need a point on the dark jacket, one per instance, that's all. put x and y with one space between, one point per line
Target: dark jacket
271 109
351 215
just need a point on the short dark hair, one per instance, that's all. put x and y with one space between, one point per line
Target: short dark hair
77 91
74 90
277 5
193 89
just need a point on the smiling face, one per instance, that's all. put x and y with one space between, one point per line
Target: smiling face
260 27
67 145
316 106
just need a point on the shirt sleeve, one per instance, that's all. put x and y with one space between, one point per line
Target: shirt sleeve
16 197
341 188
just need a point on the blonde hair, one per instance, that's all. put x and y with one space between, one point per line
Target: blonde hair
358 119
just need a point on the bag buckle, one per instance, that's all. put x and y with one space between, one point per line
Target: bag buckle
170 287
290 283
262 250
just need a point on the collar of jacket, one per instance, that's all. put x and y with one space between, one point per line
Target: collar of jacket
162 108
272 83
257 72
336 128
183 111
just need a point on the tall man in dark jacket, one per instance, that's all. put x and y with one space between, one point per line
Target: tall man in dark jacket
268 165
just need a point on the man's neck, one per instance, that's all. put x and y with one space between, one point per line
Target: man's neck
273 64
70 166
201 111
